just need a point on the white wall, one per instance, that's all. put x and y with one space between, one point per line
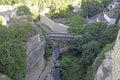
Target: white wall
110 20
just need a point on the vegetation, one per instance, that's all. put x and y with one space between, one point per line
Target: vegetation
89 52
101 56
77 62
58 12
71 69
91 7
13 51
89 74
23 10
118 17
12 1
76 23
48 48
1 20
94 41
106 2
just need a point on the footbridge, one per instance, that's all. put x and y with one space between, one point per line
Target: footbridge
62 36
56 30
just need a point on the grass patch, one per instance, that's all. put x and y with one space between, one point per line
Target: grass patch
89 75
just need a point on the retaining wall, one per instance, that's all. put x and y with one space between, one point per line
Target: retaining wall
55 27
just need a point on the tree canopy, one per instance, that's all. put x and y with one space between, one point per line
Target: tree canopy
91 7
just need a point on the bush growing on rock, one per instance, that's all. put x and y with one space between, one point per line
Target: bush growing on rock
12 50
1 20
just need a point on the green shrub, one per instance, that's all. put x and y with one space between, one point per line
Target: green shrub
12 50
1 20
48 45
89 52
89 74
58 12
76 24
106 2
48 48
23 10
9 2
71 69
108 35
91 7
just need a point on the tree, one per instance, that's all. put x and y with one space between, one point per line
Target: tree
118 17
109 35
91 7
106 2
89 53
76 24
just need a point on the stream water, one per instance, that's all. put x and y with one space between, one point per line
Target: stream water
57 69
57 53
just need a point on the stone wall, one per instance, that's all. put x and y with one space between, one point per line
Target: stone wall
116 59
55 27
35 59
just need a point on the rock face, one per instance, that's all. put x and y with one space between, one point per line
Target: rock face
104 72
35 59
116 59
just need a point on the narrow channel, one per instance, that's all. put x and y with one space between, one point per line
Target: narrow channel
57 69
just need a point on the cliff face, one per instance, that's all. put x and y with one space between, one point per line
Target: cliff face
104 71
35 45
35 59
110 67
116 59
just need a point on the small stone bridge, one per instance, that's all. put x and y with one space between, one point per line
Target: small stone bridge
57 30
62 36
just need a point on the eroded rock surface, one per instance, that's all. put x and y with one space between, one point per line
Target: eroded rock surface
116 59
104 72
35 59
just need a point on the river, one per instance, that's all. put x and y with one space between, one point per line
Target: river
57 69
